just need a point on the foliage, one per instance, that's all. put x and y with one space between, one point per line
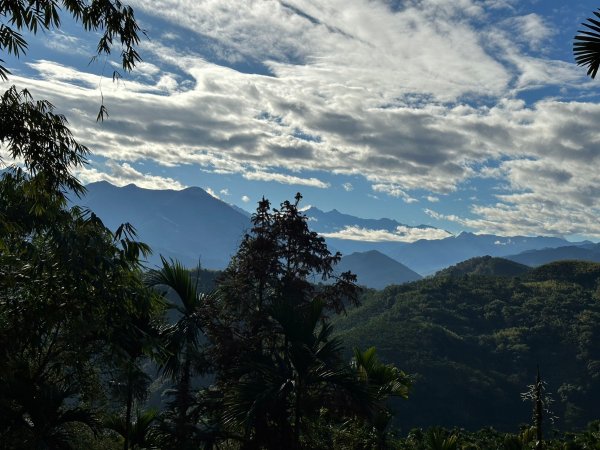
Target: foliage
68 288
487 266
474 341
586 46
271 344
181 339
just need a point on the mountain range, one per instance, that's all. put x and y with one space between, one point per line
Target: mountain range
190 225
194 226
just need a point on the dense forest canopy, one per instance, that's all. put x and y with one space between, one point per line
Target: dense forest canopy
473 340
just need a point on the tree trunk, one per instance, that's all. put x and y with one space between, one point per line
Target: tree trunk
539 408
297 413
129 406
183 401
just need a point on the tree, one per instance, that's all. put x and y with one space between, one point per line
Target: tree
586 47
134 341
384 381
67 285
66 281
181 341
30 129
276 363
113 20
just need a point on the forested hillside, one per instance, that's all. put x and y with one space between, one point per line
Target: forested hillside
473 343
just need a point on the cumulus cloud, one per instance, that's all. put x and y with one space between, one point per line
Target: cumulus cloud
400 234
418 98
124 174
245 198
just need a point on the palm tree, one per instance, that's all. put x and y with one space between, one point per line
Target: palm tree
46 417
586 47
278 392
383 381
139 433
182 338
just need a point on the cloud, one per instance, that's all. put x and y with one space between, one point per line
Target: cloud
224 192
212 192
394 191
530 29
348 187
401 234
62 42
245 198
420 98
124 174
285 179
432 199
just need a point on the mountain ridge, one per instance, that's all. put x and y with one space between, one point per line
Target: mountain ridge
376 270
192 225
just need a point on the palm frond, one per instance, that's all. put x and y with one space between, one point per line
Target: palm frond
586 47
175 276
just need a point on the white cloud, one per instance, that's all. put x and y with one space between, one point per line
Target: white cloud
124 174
63 42
432 199
394 191
401 234
348 187
531 29
245 198
212 192
224 192
285 179
368 92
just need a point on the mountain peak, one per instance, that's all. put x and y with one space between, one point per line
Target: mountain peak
377 270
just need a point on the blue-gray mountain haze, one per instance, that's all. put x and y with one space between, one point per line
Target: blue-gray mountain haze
193 226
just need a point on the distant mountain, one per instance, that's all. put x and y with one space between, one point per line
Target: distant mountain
586 252
332 221
486 266
241 211
376 270
190 225
429 256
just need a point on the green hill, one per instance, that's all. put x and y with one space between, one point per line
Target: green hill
588 252
473 344
487 266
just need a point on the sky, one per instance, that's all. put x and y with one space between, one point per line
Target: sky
460 114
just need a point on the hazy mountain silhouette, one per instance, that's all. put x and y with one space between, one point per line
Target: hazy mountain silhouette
190 225
376 270
547 255
331 221
429 256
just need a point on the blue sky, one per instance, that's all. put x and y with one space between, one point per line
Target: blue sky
461 114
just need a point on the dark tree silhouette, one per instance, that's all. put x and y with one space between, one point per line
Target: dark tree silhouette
586 46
